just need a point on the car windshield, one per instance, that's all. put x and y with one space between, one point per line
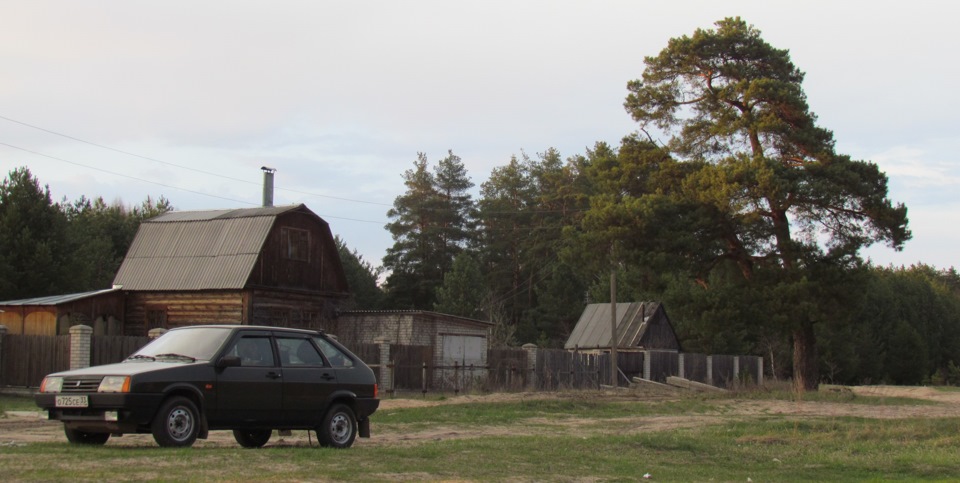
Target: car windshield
197 343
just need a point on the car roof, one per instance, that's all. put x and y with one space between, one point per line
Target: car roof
251 327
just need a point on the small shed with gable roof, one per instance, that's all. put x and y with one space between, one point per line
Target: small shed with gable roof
640 326
54 315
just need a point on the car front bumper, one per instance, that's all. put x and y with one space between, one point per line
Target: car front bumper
105 412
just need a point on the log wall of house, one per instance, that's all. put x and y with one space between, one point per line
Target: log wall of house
147 310
291 309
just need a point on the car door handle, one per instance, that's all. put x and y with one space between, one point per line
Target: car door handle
326 376
274 375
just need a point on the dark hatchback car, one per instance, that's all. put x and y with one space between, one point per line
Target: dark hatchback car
195 379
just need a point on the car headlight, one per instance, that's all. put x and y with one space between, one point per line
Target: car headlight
115 384
51 384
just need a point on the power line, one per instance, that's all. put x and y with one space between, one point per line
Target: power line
37 153
220 175
210 173
121 174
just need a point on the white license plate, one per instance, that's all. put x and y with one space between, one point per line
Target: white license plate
72 401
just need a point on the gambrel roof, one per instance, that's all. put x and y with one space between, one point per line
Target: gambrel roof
640 325
204 250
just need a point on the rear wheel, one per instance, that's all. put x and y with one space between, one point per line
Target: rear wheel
82 437
252 438
177 423
339 427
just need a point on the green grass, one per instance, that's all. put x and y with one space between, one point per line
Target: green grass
585 440
16 403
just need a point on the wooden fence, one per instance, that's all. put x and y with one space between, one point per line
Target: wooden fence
26 359
108 349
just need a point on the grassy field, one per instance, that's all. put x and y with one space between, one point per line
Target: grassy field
581 438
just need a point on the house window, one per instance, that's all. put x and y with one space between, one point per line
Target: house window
295 244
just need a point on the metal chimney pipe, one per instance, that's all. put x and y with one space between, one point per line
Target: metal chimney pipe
267 186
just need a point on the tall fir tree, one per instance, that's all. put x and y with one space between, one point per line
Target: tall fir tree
34 260
431 226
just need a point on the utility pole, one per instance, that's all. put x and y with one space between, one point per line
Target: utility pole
614 340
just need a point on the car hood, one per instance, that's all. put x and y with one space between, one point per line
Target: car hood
127 368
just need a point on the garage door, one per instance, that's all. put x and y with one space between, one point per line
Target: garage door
463 349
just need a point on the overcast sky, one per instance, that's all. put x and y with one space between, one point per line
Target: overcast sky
188 99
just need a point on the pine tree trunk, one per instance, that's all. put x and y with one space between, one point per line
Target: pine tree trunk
806 377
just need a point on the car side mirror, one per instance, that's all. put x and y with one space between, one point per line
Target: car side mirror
228 361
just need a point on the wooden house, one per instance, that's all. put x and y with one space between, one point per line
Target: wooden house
641 326
274 266
54 315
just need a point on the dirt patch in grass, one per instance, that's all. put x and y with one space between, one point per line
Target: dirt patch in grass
21 429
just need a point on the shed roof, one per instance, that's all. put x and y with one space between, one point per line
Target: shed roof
424 313
593 329
199 250
58 299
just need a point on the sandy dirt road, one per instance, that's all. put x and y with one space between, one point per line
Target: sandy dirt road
28 427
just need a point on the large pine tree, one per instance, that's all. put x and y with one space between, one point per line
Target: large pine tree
771 193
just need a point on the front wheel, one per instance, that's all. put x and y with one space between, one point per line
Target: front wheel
177 423
252 438
82 437
339 427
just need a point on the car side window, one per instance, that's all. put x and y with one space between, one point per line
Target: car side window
253 351
296 352
336 357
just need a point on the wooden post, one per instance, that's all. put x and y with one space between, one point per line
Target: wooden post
423 380
3 333
614 340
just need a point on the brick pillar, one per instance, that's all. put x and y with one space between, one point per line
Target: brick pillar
156 332
3 332
386 374
531 366
80 346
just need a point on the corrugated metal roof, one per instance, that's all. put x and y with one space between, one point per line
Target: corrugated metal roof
206 215
198 250
593 329
59 299
411 312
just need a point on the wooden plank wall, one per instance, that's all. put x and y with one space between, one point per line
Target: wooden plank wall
508 370
408 363
107 349
26 359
